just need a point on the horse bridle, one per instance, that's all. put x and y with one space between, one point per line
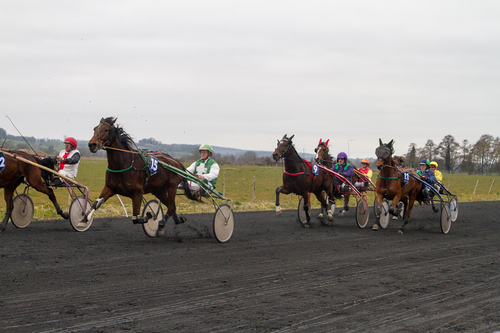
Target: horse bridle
288 145
111 133
322 160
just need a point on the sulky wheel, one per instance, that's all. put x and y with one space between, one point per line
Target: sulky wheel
23 211
223 223
77 211
445 218
154 212
362 213
453 209
384 215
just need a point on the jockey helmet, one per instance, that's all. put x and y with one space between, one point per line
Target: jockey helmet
206 147
425 162
365 161
342 155
434 164
71 141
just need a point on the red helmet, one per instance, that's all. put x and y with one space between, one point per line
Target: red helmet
71 141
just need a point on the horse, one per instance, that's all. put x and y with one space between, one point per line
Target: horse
324 158
13 173
298 178
128 174
392 185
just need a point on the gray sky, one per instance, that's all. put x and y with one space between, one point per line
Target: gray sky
242 74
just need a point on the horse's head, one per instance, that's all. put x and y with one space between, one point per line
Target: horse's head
322 153
103 134
282 148
399 161
384 153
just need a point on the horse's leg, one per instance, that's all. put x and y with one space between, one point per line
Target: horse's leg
408 208
324 207
106 193
346 205
306 198
36 182
136 208
168 198
8 193
280 189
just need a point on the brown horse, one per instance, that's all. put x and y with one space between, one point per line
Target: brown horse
128 174
298 178
324 158
393 185
12 173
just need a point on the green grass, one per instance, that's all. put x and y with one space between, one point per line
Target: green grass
238 182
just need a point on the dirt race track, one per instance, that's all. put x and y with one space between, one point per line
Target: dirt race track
272 276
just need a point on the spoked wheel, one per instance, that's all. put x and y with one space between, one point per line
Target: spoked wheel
154 212
23 211
77 212
453 209
362 213
445 218
384 215
302 212
223 223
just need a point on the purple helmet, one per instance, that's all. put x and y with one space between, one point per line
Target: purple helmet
342 155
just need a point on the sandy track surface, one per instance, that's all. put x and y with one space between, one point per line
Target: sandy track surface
272 276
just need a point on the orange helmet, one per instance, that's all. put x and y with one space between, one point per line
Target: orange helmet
365 161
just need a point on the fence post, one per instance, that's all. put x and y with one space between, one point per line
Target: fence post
224 184
475 187
254 194
493 182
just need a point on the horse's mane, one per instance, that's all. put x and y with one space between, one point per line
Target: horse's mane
124 138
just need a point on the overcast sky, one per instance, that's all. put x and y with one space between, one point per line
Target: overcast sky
242 74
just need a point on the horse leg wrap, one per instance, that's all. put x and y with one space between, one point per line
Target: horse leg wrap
139 219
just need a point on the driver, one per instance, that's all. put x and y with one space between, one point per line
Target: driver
367 171
205 169
345 169
427 175
68 159
437 173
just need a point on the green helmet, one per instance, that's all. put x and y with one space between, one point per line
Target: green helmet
206 147
425 162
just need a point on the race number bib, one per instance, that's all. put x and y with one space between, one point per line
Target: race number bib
406 177
153 165
2 161
315 169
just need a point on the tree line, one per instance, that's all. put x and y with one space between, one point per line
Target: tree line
481 157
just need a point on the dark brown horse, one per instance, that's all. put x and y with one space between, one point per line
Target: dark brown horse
12 173
128 173
324 158
298 178
393 185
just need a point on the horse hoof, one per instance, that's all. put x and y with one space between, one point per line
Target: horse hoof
182 219
394 217
375 227
320 216
65 215
278 210
330 218
160 233
435 209
400 231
